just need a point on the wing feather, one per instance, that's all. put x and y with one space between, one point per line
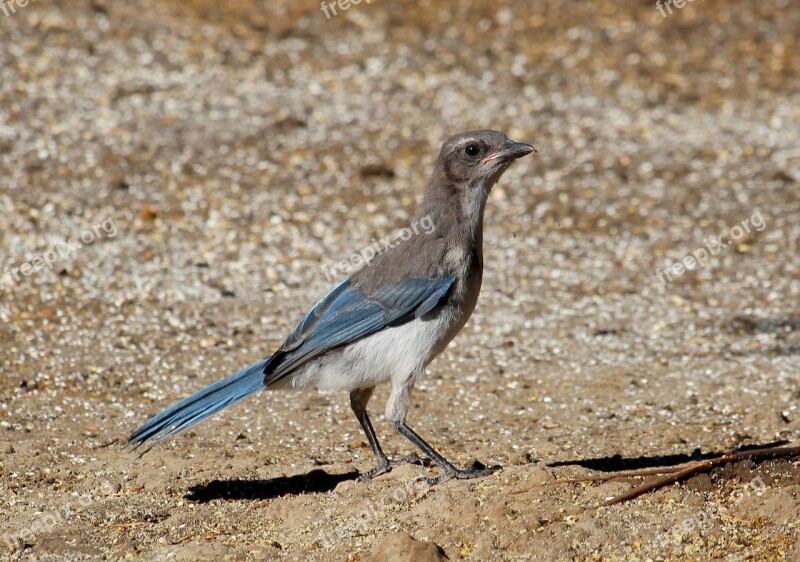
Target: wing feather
346 315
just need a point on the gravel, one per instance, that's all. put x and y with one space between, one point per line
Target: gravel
210 162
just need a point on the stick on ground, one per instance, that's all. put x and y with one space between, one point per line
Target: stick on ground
677 475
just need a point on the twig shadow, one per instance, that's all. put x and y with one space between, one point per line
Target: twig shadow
617 464
316 481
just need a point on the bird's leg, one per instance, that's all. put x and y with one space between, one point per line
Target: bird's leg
396 409
358 402
449 471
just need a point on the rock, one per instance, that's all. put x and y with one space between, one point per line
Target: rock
402 547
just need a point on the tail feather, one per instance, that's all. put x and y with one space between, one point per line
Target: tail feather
202 404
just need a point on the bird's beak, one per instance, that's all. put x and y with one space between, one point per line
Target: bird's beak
509 151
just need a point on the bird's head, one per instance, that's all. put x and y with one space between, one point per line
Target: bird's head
470 164
475 157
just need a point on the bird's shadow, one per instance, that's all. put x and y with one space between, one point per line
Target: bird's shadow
316 481
617 464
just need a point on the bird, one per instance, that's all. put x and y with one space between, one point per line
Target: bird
387 321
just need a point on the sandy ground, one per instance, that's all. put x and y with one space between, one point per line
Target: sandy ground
210 159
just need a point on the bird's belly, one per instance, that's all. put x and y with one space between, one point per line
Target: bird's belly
394 352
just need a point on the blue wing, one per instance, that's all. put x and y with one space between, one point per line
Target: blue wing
346 315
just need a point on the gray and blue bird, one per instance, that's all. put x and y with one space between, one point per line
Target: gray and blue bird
386 322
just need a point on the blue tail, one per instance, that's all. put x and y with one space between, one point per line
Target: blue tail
202 404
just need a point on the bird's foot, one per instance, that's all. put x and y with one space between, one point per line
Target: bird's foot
386 465
478 470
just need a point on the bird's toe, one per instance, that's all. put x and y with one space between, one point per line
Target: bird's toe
411 459
382 468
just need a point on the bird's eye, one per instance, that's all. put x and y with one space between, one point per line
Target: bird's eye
472 150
